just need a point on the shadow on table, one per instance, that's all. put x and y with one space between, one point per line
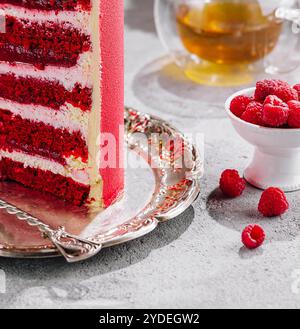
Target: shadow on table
237 213
163 86
139 16
46 273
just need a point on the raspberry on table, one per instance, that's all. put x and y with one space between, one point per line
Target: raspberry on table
294 114
231 184
253 236
253 113
239 104
275 115
273 202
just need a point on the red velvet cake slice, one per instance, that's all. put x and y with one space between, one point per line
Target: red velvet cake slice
61 98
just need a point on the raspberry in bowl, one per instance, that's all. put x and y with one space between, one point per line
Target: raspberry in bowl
269 119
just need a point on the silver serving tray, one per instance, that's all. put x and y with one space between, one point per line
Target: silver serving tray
157 189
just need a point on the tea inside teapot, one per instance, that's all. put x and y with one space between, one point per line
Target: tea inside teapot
230 31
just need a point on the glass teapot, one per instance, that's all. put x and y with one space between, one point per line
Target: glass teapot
225 42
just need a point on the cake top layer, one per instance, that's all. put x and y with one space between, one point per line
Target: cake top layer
51 4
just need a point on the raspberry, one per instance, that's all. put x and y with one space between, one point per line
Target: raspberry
294 114
239 104
253 113
253 236
286 93
274 100
273 202
231 184
278 88
297 88
264 88
275 115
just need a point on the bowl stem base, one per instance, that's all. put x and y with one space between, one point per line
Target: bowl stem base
274 167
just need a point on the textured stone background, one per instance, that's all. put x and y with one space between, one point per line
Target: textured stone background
195 260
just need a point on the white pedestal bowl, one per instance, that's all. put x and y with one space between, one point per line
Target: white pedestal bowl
276 158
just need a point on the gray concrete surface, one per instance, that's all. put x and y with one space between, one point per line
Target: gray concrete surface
195 260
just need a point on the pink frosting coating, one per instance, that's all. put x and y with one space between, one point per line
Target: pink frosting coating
112 91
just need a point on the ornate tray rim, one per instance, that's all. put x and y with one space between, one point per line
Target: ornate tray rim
142 223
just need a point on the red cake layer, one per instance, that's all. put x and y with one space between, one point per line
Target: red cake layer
42 43
60 186
38 138
50 4
43 92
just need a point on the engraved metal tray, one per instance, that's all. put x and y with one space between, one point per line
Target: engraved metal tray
157 189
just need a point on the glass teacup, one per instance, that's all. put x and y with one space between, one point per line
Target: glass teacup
224 42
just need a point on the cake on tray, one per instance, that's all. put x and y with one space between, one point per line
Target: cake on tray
61 97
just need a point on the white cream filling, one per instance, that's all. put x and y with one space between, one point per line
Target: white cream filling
78 172
67 117
95 115
78 19
68 77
